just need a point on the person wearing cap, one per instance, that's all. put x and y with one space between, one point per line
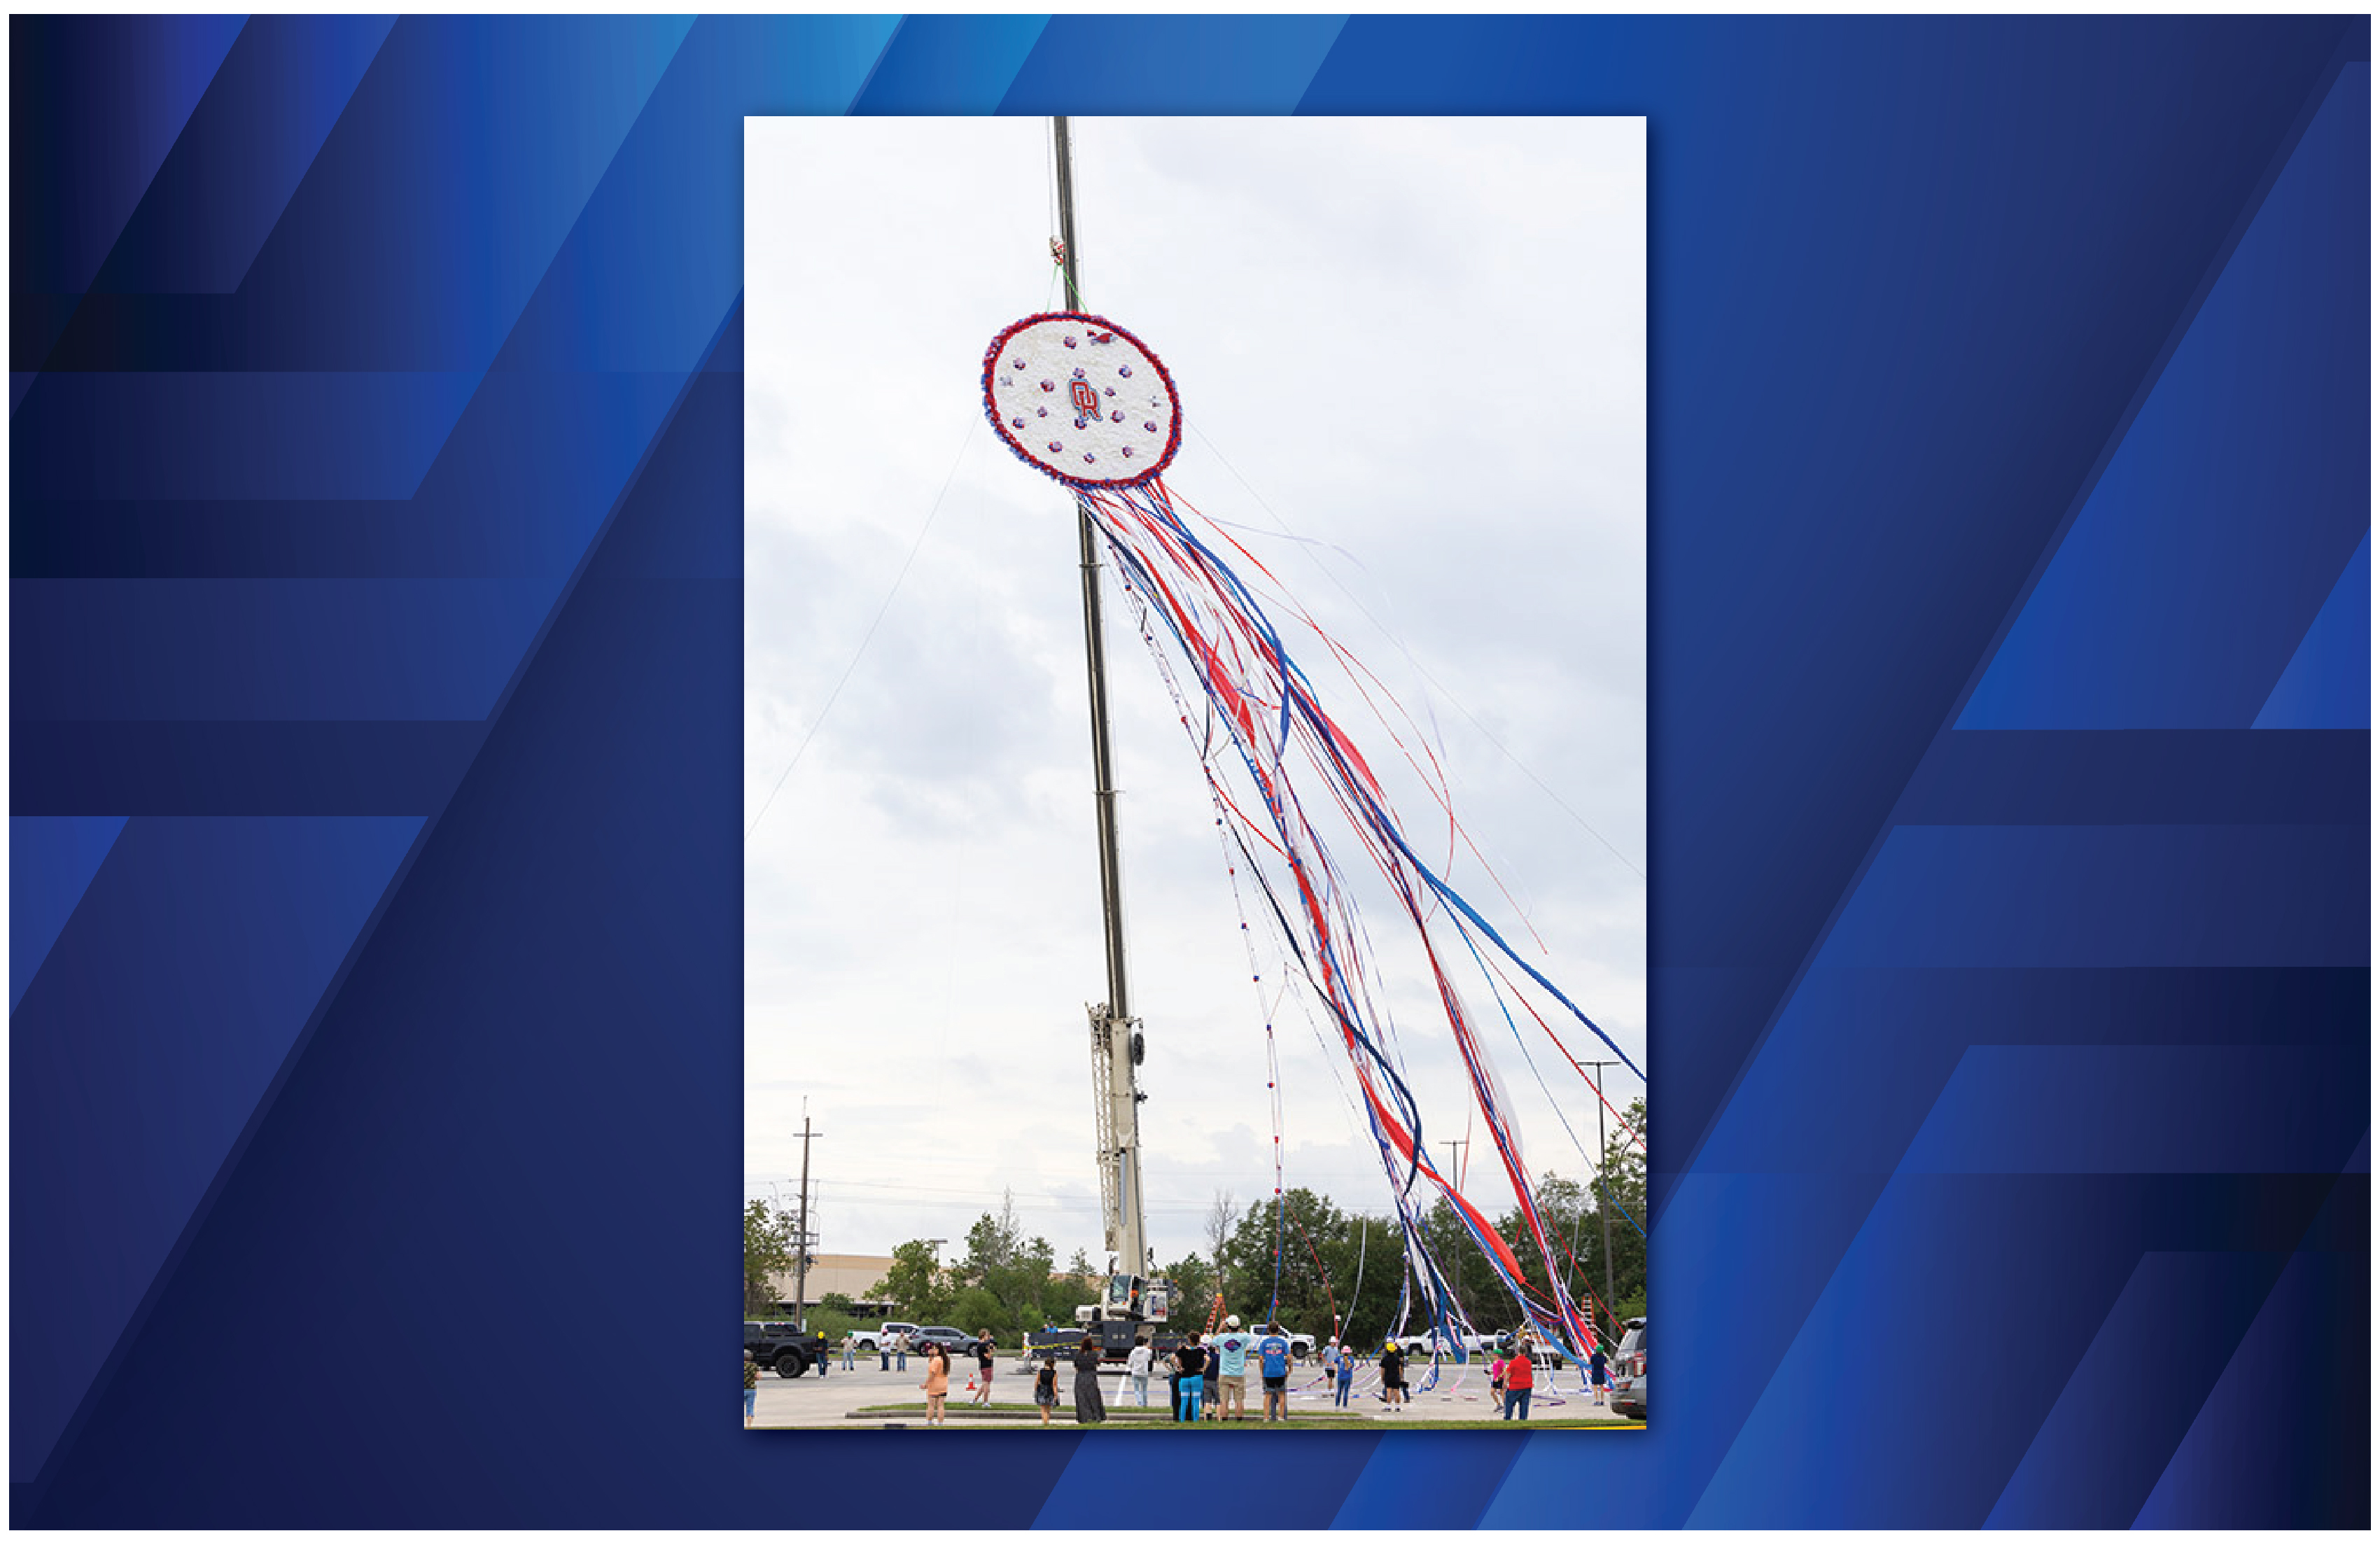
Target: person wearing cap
1231 1351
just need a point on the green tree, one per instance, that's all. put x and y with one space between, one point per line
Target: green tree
915 1286
1003 1279
1574 1216
838 1304
1621 1185
768 1250
1315 1244
1193 1288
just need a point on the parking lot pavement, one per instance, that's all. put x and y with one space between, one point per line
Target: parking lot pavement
811 1401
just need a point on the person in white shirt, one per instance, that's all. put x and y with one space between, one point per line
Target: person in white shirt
1136 1363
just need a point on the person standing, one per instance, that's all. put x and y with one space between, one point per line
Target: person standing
1520 1378
751 1385
1392 1374
937 1385
1330 1362
1138 1364
1192 1360
1045 1387
1346 1371
1496 1381
901 1351
1231 1372
1597 1371
883 1353
1088 1406
1273 1355
848 1337
985 1349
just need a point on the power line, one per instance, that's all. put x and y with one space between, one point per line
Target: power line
965 442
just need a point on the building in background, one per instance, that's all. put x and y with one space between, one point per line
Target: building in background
851 1275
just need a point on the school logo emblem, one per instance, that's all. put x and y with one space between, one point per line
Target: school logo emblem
1086 398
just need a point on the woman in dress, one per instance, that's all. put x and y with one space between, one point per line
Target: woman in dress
1088 1406
937 1384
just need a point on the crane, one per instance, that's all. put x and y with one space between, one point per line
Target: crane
1133 1291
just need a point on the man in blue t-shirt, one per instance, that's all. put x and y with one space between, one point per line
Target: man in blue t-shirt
1274 1353
1232 1349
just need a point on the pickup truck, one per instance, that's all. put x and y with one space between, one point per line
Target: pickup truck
1474 1345
789 1350
881 1337
1477 1347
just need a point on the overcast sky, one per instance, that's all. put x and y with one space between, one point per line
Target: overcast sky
1417 347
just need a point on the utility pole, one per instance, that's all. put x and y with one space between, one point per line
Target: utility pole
1115 1039
1603 1206
802 1228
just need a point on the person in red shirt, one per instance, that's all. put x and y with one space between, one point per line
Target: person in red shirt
1520 1378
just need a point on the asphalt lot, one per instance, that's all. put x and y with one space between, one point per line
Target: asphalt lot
1461 1395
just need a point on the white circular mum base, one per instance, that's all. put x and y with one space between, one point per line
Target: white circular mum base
1082 399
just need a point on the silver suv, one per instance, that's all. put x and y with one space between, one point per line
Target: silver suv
1628 1373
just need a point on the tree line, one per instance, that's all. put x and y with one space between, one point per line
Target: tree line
1302 1260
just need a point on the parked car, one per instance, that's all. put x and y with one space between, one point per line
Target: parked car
949 1338
869 1340
1628 1373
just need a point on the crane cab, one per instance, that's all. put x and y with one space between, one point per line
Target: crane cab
1130 1298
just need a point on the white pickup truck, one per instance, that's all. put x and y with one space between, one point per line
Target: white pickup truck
1476 1345
869 1340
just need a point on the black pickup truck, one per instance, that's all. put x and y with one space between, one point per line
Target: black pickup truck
786 1347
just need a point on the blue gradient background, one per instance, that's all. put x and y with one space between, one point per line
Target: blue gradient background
375 396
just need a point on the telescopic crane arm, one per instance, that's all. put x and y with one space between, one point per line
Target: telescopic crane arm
1116 1046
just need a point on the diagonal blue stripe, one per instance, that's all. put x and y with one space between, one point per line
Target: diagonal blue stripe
2222 519
1204 64
51 861
161 1015
262 121
949 64
2140 1385
106 98
2328 683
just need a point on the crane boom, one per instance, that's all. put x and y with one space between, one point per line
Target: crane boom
1115 1035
